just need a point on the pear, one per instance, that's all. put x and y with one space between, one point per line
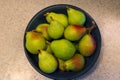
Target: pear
76 63
74 32
76 44
55 30
61 65
47 62
43 28
49 50
76 17
63 49
34 42
61 18
87 45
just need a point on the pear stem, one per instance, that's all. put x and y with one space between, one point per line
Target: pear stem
68 8
46 14
34 30
90 28
47 42
51 18
39 52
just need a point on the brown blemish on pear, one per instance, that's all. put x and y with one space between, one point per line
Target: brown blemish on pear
35 34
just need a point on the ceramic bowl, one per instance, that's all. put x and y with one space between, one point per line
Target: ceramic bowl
90 61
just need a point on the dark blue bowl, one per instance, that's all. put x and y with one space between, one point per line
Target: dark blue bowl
90 61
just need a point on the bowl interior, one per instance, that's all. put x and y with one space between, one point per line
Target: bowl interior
90 61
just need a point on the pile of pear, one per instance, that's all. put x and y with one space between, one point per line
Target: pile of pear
61 43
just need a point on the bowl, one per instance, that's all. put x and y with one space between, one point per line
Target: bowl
90 61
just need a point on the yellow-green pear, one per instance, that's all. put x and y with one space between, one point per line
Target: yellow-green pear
47 62
76 63
43 29
61 64
63 49
55 30
61 18
34 42
74 32
87 45
76 17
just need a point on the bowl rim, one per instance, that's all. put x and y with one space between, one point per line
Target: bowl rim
52 77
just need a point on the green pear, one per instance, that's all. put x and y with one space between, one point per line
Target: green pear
55 30
47 62
49 50
43 29
34 42
76 17
74 32
76 63
63 49
61 18
61 65
76 44
87 45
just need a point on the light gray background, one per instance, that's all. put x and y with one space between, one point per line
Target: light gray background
15 15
